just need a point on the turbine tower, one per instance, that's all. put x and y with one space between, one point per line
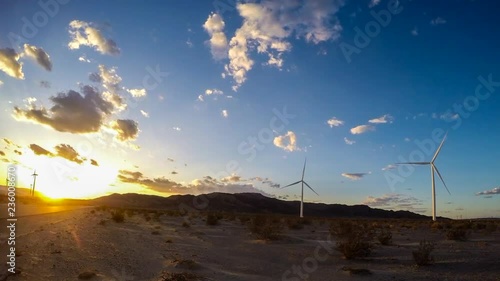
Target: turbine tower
433 168
34 182
302 192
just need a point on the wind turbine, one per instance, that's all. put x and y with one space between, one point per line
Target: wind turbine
302 193
34 182
433 168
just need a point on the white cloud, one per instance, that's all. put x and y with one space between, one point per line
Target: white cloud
201 98
355 176
1 83
382 119
144 113
39 55
334 122
213 92
399 201
373 3
437 21
449 116
218 41
137 93
407 139
267 25
9 63
414 31
86 34
493 191
110 81
84 59
224 113
389 167
349 142
287 141
362 129
176 128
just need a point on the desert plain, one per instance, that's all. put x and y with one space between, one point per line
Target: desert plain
102 243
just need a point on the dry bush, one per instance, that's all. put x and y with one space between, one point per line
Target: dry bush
212 219
294 224
118 216
384 236
184 276
422 255
457 234
265 228
186 225
353 240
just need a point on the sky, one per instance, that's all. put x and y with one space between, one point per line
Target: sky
193 97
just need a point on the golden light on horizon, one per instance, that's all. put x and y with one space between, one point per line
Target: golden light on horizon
61 178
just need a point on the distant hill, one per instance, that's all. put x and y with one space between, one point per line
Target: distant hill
247 203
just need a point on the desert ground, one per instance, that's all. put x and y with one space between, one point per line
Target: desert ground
94 244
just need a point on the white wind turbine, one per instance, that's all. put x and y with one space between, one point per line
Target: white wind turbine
302 194
433 168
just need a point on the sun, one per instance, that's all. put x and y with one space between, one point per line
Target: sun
61 178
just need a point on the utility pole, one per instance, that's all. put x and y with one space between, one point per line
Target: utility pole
34 182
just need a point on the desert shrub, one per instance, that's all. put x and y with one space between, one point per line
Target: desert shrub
384 236
457 234
490 227
102 222
294 224
244 219
422 255
130 213
353 240
186 225
146 217
212 219
184 276
264 228
118 216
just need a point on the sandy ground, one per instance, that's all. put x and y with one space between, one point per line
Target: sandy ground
61 246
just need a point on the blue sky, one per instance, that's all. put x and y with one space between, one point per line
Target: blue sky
202 96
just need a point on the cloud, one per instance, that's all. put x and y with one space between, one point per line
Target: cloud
267 25
72 112
176 128
288 141
9 63
493 191
399 201
110 81
448 116
382 119
137 93
84 59
38 150
334 122
1 83
44 84
355 176
414 31
170 159
144 113
86 34
231 178
349 142
67 152
362 129
224 113
39 55
218 41
389 167
438 21
125 129
209 92
93 162
2 153
373 3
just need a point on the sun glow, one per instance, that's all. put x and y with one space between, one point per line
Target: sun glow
60 178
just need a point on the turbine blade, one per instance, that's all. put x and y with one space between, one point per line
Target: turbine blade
413 163
439 148
304 170
291 184
310 188
439 174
